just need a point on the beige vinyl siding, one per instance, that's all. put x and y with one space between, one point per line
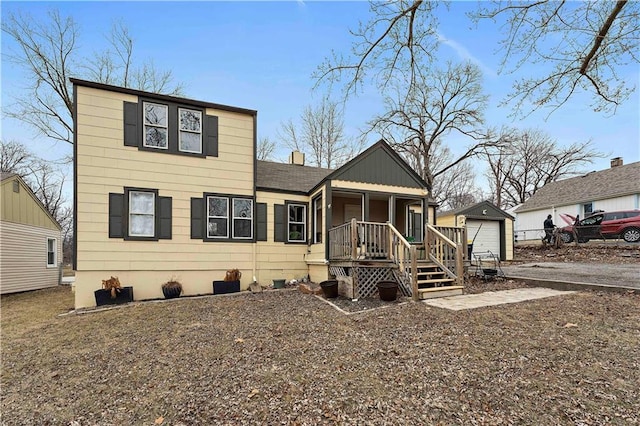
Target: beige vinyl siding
23 207
278 260
24 257
449 220
105 165
318 268
372 187
508 235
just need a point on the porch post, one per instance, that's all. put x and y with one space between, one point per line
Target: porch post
328 218
414 273
365 217
354 239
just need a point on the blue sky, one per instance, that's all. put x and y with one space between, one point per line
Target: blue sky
260 55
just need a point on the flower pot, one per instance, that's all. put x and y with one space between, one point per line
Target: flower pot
388 290
329 289
123 295
171 292
279 283
223 287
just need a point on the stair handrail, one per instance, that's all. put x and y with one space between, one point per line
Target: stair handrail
412 258
459 265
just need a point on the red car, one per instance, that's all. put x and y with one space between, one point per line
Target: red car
625 224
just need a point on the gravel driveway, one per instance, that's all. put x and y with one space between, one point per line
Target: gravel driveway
282 357
617 275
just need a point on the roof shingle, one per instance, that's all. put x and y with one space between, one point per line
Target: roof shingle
610 183
288 177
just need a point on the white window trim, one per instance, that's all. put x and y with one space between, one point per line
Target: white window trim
55 252
226 199
144 123
303 223
153 214
189 131
317 202
250 219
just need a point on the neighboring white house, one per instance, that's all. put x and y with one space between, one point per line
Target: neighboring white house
30 239
616 188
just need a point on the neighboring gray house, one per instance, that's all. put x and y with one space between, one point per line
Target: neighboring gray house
616 188
30 239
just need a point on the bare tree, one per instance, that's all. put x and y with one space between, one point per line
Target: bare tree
266 148
586 44
45 178
532 159
47 52
444 102
455 187
319 134
15 157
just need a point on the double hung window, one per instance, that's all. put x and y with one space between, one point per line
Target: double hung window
297 223
229 218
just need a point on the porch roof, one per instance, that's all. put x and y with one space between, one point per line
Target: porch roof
288 177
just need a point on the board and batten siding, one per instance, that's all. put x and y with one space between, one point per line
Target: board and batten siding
280 260
24 257
104 165
23 206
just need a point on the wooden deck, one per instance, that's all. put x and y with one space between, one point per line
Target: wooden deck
365 253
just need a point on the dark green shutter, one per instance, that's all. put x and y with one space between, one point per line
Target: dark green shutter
278 213
164 230
211 136
116 210
197 218
131 135
261 221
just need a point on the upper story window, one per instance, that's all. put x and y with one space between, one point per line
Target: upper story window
190 131
297 224
155 126
170 128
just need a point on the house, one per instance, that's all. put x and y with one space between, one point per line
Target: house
30 242
487 226
168 187
616 188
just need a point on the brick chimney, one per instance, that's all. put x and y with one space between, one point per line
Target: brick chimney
296 157
615 162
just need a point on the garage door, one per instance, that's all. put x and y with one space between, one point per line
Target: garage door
488 238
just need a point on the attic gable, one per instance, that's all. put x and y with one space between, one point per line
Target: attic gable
379 165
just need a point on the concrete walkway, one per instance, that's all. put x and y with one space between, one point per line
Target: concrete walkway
625 276
493 298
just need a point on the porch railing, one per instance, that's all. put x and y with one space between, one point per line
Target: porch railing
358 240
447 253
405 256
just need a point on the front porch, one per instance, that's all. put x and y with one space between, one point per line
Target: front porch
362 253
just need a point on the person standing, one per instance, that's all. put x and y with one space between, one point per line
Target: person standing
548 229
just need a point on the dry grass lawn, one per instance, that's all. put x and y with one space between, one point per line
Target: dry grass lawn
282 357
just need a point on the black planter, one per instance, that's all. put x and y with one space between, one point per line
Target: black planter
171 292
222 287
388 290
123 295
329 288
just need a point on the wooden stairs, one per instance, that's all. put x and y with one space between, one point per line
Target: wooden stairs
434 282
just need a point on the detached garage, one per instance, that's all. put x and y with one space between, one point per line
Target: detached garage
491 227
